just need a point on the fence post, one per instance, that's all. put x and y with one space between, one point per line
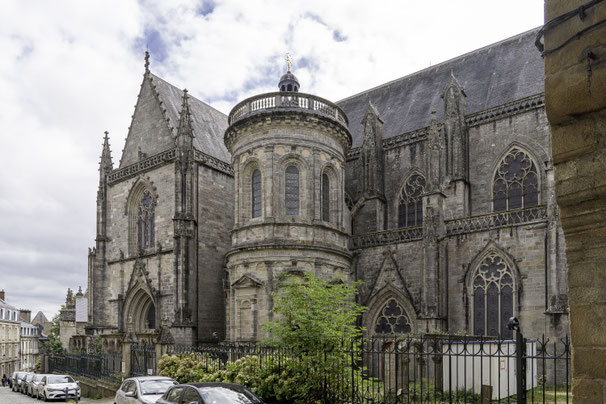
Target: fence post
164 341
514 324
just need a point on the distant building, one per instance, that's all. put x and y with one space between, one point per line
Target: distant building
9 337
42 323
72 322
30 335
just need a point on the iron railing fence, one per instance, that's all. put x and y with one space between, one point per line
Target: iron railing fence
417 369
105 366
143 360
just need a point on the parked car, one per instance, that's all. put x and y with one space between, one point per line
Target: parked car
53 387
25 383
34 384
143 390
17 380
209 393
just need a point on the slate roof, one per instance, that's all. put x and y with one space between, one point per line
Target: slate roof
506 71
40 318
208 124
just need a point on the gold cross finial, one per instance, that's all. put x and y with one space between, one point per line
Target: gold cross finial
288 61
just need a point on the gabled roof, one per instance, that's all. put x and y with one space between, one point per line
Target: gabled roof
491 76
208 124
40 318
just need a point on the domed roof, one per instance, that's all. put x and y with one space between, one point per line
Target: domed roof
288 79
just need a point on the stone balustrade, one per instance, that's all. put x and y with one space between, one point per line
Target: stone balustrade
287 101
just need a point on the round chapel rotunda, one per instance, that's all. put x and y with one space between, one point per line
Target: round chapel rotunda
288 154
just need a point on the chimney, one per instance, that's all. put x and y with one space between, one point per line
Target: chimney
2 295
26 315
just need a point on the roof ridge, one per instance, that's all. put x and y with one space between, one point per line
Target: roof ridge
189 95
418 72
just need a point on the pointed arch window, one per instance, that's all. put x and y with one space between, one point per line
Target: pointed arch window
493 292
392 319
325 198
410 208
516 182
256 193
145 222
141 212
291 194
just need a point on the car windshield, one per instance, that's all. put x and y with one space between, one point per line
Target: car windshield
155 386
224 395
37 378
20 375
59 379
29 377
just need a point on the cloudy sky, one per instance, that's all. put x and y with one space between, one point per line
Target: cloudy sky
72 69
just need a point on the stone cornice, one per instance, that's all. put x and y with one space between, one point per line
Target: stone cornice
214 163
163 158
141 166
506 110
292 117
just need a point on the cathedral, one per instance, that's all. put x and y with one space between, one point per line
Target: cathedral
435 189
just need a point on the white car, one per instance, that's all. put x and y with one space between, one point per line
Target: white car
143 390
53 387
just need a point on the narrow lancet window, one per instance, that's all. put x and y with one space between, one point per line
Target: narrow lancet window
145 222
325 198
291 197
256 193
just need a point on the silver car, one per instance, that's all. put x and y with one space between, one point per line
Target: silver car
143 390
53 387
34 385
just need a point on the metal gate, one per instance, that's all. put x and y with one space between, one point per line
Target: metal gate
142 360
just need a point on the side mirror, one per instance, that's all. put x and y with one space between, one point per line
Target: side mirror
129 394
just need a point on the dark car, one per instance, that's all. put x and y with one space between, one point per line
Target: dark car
209 393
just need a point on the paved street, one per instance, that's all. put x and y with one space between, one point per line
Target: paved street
8 397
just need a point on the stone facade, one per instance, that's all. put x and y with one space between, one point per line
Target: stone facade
10 337
436 190
575 84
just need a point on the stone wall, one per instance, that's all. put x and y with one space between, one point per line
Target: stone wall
215 221
575 84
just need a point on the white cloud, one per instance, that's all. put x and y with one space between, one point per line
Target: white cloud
72 69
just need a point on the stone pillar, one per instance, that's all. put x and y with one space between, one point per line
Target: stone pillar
575 88
165 340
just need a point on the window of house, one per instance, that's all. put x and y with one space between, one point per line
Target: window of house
325 198
291 195
410 209
392 319
256 193
492 289
515 183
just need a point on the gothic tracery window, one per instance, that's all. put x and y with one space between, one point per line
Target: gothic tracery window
145 222
256 193
410 208
291 194
515 183
493 291
392 319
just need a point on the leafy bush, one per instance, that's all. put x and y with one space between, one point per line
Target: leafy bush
187 368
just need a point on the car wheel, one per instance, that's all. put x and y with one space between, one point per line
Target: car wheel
45 398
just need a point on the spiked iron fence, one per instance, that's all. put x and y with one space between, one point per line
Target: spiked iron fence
423 369
105 366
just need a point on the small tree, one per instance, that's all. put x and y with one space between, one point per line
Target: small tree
314 314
